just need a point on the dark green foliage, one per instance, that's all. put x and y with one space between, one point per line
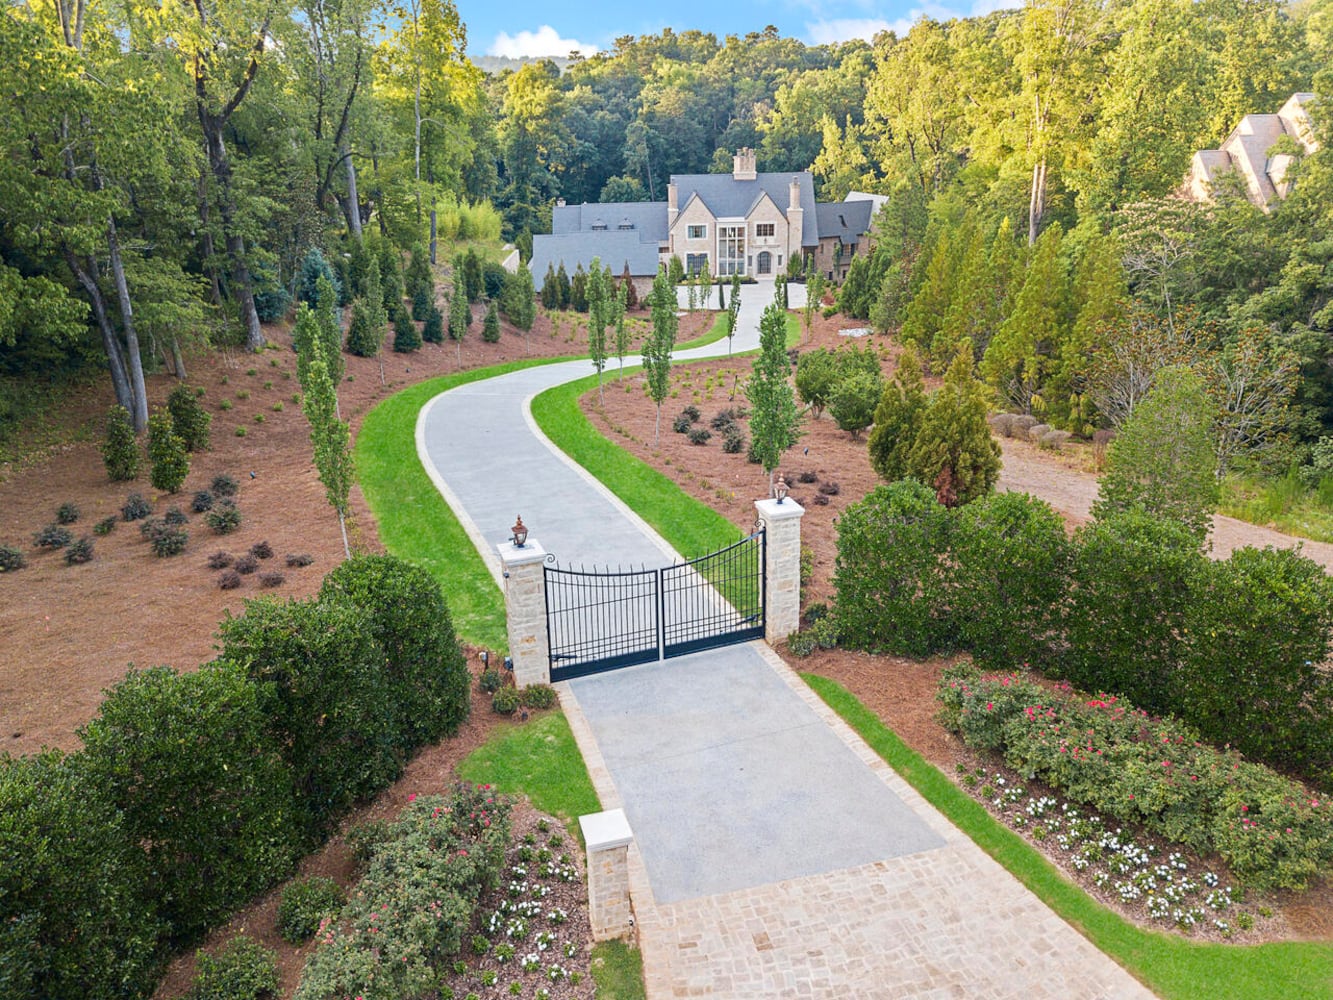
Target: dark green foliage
53 536
77 916
490 328
220 559
200 783
682 424
578 290
632 293
314 267
325 697
675 270
516 301
816 375
136 508
120 448
1007 574
365 839
406 336
304 904
699 435
421 305
166 453
417 279
460 315
954 451
272 299
224 518
472 275
538 696
67 513
202 502
168 541
562 287
426 671
506 701
363 337
1132 577
491 680
854 399
898 418
225 486
889 578
104 527
493 278
175 517
774 420
11 559
692 413
391 278
733 440
79 552
550 293
432 331
242 969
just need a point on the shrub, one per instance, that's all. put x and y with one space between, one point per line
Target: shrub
189 420
733 441
79 552
246 565
11 559
212 820
364 839
168 541
76 920
491 680
229 580
890 593
67 513
242 969
830 489
104 527
406 336
506 700
801 644
726 418
808 477
297 559
53 536
220 560
692 412
223 518
271 579
820 500
175 517
136 508
538 696
682 424
324 694
261 550
202 502
120 448
699 435
225 486
854 399
304 904
490 327
421 304
426 669
166 452
432 331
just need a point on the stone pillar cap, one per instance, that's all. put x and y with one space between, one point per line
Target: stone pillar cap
604 830
770 510
512 555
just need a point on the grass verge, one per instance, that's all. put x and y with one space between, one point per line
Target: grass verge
1173 968
617 969
1283 503
414 521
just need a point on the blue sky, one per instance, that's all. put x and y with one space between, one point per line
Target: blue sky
532 28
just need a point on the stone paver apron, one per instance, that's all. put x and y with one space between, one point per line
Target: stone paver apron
777 855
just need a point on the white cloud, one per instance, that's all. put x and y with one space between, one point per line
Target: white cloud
847 28
545 41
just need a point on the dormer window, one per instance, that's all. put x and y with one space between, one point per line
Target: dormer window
626 224
598 226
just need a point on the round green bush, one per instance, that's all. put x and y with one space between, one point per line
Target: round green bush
136 508
224 485
202 502
223 518
67 513
11 559
538 696
491 680
169 541
243 969
305 903
53 536
506 700
79 552
120 448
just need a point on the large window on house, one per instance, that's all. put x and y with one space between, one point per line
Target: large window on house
694 262
730 250
696 232
763 229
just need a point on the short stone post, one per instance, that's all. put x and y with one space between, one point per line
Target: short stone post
608 837
525 611
782 575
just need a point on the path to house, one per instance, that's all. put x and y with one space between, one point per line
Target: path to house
775 854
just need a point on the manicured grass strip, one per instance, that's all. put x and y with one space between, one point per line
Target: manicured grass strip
1174 968
617 969
691 528
414 521
716 332
538 759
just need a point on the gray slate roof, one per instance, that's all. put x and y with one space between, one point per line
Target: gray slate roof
648 218
847 219
616 248
727 197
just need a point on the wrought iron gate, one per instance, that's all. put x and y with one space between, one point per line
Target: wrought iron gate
598 621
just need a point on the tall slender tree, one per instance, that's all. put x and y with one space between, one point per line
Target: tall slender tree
657 348
598 314
774 419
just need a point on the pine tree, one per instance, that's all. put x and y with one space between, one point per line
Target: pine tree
374 299
314 267
1018 358
598 314
417 276
774 420
578 290
490 328
391 279
657 348
420 305
930 305
954 452
898 419
189 420
432 332
473 275
1099 298
120 448
166 452
562 286
363 338
550 290
631 293
406 336
971 314
358 269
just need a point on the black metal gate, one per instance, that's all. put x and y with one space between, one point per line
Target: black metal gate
598 621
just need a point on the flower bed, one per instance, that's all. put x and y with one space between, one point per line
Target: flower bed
1102 752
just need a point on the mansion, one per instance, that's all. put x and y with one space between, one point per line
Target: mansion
1250 151
744 223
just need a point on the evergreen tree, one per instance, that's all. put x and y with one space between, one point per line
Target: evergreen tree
657 348
578 291
432 332
189 420
391 280
473 275
562 286
1098 298
375 311
954 452
1163 461
420 305
120 448
166 452
598 314
417 276
458 310
929 306
855 399
858 291
406 336
675 270
972 314
490 327
358 269
363 337
550 290
631 293
898 419
516 301
1018 359
314 267
774 420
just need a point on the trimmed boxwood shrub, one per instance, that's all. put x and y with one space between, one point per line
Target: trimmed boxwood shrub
506 700
201 785
242 969
888 575
77 917
136 508
53 536
189 420
120 448
67 513
202 502
424 665
325 697
538 696
11 559
79 552
224 518
304 904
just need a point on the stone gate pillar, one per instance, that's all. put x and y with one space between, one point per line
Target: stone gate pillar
608 837
782 574
525 611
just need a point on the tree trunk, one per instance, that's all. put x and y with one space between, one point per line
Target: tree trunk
221 167
1037 199
84 273
342 524
177 359
206 242
433 239
352 207
140 411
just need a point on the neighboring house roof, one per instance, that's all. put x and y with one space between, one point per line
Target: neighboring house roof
647 218
847 220
1246 150
615 248
877 200
728 198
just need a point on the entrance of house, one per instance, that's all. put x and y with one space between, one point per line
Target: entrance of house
765 262
601 620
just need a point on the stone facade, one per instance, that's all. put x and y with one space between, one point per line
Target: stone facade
525 611
783 571
608 837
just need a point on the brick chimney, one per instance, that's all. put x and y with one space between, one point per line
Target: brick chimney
673 208
795 219
743 164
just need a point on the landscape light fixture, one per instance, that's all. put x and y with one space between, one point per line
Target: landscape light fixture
520 533
780 489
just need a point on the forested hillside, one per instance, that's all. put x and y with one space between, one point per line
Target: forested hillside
166 168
